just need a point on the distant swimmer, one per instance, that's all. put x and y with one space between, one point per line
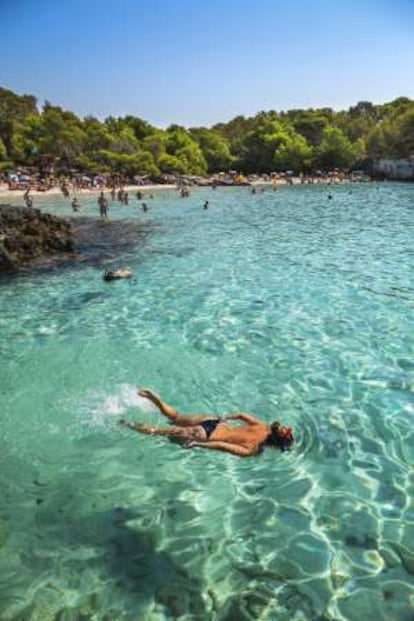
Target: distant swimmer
206 205
139 195
214 432
144 207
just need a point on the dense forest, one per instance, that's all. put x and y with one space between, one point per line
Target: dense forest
295 140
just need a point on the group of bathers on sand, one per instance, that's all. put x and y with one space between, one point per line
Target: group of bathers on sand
215 432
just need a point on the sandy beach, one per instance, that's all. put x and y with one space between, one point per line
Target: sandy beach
155 187
6 193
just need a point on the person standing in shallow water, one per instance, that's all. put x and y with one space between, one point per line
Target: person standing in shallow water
75 204
28 199
214 432
103 206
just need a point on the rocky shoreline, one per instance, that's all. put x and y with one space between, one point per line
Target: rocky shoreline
30 238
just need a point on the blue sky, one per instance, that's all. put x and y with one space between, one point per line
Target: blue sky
198 63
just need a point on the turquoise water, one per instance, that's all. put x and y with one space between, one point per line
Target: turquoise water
286 304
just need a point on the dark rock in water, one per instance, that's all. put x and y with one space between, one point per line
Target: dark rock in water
28 234
30 238
91 295
4 531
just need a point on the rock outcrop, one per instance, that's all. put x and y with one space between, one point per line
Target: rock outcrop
397 170
27 235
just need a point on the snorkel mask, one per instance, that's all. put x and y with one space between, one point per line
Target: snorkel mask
281 436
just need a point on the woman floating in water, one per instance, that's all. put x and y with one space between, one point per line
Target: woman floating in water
214 432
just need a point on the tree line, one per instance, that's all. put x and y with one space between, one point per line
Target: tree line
294 140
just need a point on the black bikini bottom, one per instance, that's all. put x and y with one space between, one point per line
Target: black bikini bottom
210 425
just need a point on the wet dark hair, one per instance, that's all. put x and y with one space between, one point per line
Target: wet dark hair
278 438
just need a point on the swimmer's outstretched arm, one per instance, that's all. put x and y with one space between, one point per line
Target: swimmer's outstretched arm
226 447
140 427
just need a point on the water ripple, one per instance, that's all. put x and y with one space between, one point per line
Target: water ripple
284 304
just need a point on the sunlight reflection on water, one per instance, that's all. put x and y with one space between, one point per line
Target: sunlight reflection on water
284 304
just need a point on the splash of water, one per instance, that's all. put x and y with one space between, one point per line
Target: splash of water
100 409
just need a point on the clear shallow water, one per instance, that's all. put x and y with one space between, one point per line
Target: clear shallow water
285 304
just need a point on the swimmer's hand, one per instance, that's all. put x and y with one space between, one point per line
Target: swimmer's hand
190 444
142 427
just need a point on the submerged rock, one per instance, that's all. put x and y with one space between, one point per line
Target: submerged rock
4 531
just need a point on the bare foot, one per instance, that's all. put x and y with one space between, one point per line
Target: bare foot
148 394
